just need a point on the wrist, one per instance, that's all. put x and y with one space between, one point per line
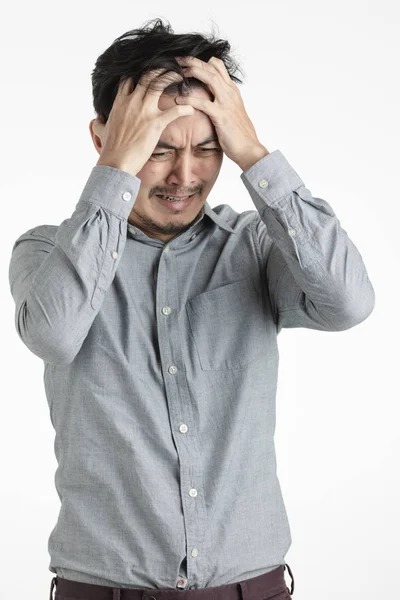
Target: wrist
109 162
252 157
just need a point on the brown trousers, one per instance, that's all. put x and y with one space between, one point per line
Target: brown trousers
270 586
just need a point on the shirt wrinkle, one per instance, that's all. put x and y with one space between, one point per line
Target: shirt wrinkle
161 369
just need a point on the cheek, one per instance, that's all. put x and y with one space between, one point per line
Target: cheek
213 168
149 173
211 165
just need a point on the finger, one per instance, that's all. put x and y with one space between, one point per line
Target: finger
153 83
123 87
193 61
158 84
211 78
206 106
219 65
144 81
174 113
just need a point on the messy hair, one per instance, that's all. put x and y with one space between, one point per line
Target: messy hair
154 46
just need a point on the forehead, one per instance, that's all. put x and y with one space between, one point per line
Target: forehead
199 124
211 139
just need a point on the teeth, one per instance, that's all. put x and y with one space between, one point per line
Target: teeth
175 198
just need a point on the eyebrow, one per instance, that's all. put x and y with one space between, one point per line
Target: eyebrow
210 139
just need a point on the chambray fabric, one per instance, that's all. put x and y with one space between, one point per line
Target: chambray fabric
160 371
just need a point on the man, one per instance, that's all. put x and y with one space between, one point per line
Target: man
157 320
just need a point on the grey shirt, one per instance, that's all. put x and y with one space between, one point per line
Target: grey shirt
160 370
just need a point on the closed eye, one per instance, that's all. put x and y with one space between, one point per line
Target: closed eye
201 150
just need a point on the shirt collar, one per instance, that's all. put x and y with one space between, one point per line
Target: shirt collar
183 237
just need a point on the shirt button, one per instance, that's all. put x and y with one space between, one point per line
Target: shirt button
292 232
126 196
193 493
193 236
263 183
183 428
114 254
194 552
172 369
166 310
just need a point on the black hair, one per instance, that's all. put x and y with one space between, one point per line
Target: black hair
141 50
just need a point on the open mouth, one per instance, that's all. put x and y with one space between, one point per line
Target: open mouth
175 203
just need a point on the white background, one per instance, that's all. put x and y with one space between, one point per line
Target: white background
322 86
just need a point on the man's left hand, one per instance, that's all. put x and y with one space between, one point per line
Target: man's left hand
235 131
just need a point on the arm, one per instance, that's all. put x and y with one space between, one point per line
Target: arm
59 275
314 274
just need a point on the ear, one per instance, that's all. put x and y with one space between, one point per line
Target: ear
97 131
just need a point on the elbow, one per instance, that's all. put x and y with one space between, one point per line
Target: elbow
356 310
48 344
48 350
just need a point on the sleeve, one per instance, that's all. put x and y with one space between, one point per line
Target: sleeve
314 274
59 276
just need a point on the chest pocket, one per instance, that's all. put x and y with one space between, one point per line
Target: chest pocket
228 325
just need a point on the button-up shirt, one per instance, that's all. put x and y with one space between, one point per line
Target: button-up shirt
160 371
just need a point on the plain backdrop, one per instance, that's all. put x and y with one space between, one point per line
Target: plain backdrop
322 86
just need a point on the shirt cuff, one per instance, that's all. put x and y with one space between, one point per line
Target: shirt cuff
270 179
112 189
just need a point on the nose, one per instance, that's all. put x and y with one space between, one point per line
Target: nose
181 173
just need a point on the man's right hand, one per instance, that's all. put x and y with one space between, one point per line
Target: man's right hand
135 122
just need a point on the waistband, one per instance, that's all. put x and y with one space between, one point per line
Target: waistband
260 587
